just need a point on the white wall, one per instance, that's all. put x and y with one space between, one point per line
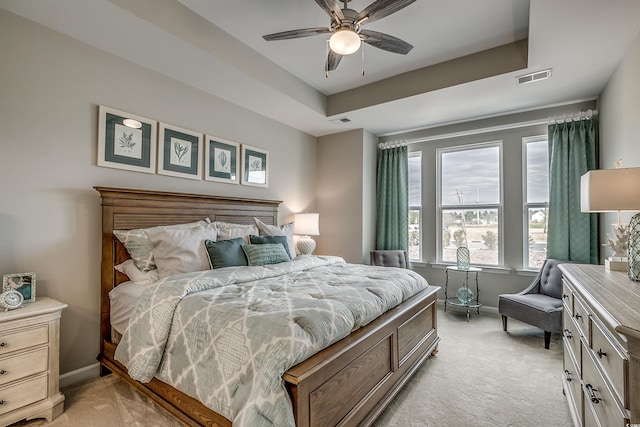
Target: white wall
50 88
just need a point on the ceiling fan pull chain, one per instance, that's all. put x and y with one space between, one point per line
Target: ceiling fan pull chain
363 60
326 63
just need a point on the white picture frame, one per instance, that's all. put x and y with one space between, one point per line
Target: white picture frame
179 152
255 166
222 160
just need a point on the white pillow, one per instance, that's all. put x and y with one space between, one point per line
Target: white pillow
181 251
274 230
135 275
228 231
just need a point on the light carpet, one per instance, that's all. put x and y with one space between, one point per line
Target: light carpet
481 376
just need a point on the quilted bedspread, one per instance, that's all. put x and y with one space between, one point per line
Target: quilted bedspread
226 336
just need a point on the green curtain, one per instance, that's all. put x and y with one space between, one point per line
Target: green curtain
393 199
572 234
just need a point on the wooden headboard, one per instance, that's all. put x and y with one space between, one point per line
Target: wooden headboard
126 209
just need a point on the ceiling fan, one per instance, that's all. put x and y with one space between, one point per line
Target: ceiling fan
346 30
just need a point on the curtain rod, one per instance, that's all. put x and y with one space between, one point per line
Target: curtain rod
579 115
392 144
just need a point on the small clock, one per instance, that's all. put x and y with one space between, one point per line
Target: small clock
11 299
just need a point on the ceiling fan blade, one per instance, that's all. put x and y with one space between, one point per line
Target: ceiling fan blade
294 34
381 8
333 59
385 42
332 9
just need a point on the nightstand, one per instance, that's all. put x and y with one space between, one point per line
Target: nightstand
29 362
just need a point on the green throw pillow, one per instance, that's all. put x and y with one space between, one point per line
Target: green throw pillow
267 253
226 253
262 240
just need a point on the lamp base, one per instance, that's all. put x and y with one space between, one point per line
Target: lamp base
306 245
616 264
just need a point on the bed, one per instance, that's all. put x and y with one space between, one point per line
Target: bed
379 357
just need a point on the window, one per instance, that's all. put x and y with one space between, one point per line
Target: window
536 200
415 205
470 202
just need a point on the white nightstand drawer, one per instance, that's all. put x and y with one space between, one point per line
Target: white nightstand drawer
613 364
23 393
23 338
567 297
23 364
581 317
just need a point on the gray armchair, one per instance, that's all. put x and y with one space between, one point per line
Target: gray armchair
390 258
540 304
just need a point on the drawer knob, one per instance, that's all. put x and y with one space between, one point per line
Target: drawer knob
565 296
567 376
591 391
601 353
2 372
3 344
567 334
578 316
2 402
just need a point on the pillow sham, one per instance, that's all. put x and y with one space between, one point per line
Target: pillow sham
261 240
264 254
273 230
135 275
226 253
227 230
139 247
180 251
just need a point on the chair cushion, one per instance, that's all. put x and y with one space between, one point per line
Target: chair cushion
389 258
539 310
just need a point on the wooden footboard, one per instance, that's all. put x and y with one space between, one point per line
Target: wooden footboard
349 383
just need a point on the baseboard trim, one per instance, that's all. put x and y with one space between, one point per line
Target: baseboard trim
79 375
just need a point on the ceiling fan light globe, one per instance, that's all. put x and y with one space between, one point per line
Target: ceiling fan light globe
345 42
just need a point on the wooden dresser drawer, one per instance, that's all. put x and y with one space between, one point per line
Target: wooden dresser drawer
613 363
567 297
22 393
571 336
23 364
598 397
581 317
571 378
18 339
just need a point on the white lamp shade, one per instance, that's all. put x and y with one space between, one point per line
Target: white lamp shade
610 190
306 224
344 42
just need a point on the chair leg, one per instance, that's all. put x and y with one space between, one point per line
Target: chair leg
504 322
547 339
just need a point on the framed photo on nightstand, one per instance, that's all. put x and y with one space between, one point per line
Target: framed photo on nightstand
25 283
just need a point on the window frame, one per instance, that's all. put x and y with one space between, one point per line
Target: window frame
525 204
499 207
419 209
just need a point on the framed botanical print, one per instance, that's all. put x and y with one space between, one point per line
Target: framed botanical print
126 141
255 166
221 160
179 152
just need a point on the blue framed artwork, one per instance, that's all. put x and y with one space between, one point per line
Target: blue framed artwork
255 166
126 141
179 152
221 160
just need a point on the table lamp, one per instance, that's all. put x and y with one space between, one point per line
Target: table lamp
305 225
612 190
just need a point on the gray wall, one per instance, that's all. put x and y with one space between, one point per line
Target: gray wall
619 106
50 216
493 283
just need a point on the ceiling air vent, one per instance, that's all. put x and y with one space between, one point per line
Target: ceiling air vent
534 77
340 120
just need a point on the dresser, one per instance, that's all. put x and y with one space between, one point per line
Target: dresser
29 362
601 342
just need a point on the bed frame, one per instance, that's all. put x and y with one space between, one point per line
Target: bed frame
347 384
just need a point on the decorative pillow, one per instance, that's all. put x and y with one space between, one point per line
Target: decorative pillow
180 251
139 247
135 275
226 253
264 254
227 230
261 240
273 230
